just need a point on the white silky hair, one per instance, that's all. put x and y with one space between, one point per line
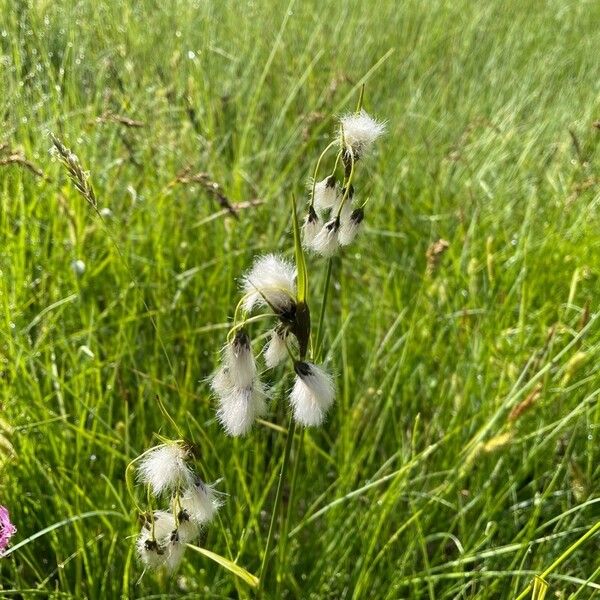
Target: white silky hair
151 557
221 383
236 412
326 195
199 502
350 227
310 228
276 350
239 408
240 361
361 130
164 468
159 530
188 531
271 280
174 554
326 241
312 395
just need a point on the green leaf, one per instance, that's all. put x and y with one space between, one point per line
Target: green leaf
300 259
238 571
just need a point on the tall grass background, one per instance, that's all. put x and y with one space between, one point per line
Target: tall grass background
462 455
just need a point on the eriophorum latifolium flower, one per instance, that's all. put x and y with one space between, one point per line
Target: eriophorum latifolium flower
7 529
334 217
190 505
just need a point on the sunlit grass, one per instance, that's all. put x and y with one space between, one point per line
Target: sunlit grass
461 458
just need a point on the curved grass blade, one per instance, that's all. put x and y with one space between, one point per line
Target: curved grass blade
238 571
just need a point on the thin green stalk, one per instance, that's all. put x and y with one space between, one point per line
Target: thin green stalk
282 474
319 336
315 357
286 519
562 558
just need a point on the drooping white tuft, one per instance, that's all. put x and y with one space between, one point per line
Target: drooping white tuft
241 395
164 468
276 349
350 227
175 550
346 209
159 543
188 530
325 193
199 503
326 241
238 409
311 227
312 395
236 412
360 131
239 360
270 281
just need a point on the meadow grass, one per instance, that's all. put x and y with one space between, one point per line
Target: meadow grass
462 455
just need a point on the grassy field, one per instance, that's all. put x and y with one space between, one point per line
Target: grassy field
462 455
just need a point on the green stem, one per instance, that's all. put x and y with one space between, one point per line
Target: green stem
319 336
282 474
562 558
315 357
286 518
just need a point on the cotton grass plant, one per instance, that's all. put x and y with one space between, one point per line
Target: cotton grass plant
275 290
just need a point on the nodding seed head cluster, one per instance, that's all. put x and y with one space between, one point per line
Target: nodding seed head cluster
334 219
270 283
191 505
334 216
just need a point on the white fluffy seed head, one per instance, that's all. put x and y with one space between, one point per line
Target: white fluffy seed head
149 551
276 349
236 412
199 503
270 281
238 409
239 361
163 468
312 395
311 227
188 530
155 544
326 241
350 227
175 550
326 193
360 131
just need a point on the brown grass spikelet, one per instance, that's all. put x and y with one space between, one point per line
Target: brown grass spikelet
77 175
525 404
434 254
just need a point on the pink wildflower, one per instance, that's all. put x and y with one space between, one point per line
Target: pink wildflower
7 529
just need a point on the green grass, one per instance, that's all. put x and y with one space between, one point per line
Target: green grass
418 486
